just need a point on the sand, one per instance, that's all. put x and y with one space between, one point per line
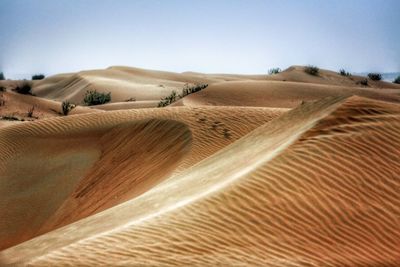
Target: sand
247 172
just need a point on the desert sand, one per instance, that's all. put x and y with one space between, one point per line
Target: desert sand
254 170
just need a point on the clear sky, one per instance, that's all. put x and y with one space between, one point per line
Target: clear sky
214 36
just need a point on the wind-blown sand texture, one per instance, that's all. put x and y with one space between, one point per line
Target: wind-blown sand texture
208 185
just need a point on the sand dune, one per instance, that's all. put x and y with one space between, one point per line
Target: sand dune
120 154
124 83
316 186
255 170
286 89
277 94
327 77
17 105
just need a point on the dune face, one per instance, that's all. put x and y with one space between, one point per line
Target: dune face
80 171
280 170
27 184
18 106
121 155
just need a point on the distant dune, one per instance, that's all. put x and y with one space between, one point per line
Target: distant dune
254 170
286 89
124 83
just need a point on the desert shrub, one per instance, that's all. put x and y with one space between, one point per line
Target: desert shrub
11 118
343 72
132 99
30 111
2 89
375 76
312 70
66 107
397 80
168 99
92 97
187 90
2 76
38 77
24 88
274 71
364 82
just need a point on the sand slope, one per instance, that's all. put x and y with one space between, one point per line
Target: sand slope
277 94
18 105
75 166
317 186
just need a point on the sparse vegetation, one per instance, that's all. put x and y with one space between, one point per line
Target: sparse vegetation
11 118
274 71
168 99
38 77
187 90
2 76
24 88
343 72
66 107
92 97
2 102
2 89
375 76
364 82
132 99
397 80
30 112
312 70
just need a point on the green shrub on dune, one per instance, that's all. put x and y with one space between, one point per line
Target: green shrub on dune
274 71
375 76
312 70
92 97
66 107
187 90
38 77
24 88
343 72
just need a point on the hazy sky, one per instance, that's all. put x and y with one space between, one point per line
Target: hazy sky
248 36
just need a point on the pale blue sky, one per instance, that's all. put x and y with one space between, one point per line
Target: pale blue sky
225 36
